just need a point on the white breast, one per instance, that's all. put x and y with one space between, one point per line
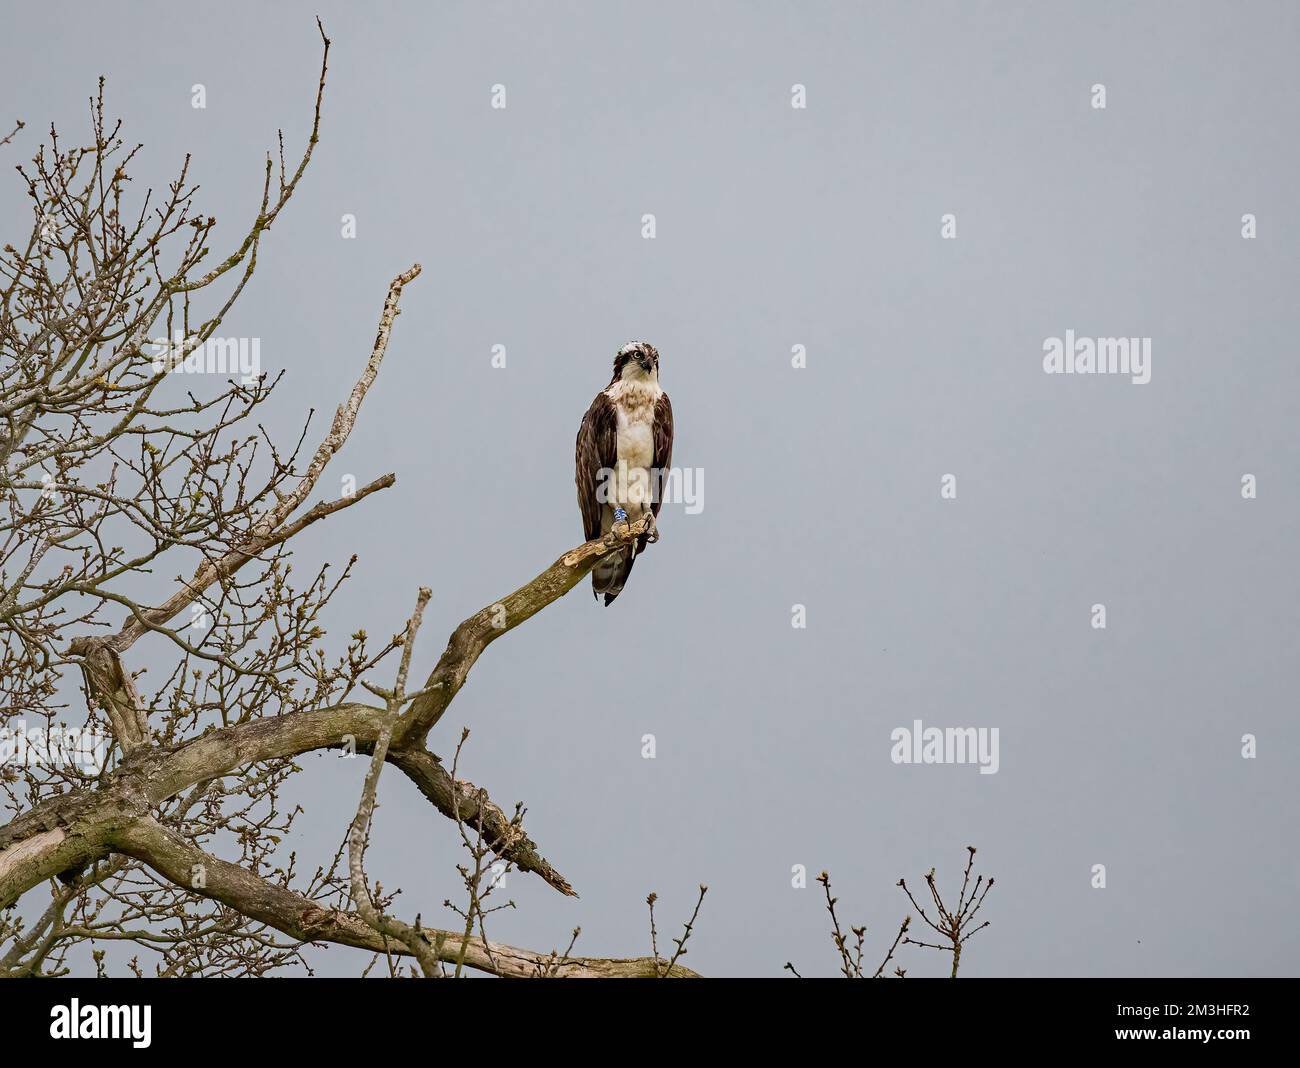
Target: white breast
634 403
636 445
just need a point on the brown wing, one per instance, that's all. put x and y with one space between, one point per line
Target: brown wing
596 450
663 439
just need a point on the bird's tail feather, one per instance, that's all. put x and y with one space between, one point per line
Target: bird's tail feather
610 575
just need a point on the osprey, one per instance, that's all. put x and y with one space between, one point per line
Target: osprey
624 451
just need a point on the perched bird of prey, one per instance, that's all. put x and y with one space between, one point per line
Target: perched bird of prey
624 451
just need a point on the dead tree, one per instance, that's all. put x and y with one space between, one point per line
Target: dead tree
114 468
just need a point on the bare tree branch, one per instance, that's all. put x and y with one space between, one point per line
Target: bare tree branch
306 921
475 634
266 532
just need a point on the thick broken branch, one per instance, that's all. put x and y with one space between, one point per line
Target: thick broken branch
507 840
474 635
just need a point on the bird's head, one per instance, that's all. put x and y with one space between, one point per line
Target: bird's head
637 360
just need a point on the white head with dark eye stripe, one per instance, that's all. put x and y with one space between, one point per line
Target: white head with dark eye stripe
637 360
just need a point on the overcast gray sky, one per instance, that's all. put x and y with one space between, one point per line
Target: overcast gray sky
779 226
